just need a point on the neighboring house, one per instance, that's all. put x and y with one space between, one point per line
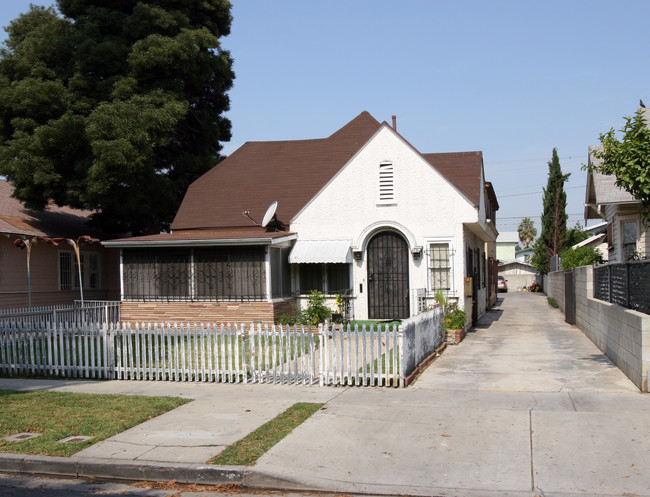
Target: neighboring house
597 240
524 254
627 237
596 229
361 213
519 274
54 270
506 243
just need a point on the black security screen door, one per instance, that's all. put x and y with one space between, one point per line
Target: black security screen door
388 277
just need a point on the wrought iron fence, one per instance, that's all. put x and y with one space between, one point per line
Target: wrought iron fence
624 283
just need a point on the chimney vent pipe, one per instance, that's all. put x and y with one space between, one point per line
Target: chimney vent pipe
395 123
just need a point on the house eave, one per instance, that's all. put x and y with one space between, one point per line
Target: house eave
199 243
479 230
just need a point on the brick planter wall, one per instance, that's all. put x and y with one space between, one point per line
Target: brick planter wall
454 337
205 312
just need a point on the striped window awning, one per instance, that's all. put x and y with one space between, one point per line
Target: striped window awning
321 251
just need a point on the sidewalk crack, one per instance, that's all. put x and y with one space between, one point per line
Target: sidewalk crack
532 463
572 403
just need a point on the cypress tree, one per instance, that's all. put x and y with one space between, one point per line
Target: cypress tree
554 217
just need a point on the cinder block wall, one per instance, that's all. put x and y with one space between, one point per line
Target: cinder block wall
621 334
205 312
554 287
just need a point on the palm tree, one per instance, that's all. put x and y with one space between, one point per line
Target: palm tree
527 232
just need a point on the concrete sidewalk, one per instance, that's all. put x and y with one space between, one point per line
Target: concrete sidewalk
524 406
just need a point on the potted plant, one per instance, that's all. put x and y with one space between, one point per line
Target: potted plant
454 323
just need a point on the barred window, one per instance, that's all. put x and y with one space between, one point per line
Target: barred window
338 278
440 267
66 270
311 278
69 270
210 273
329 278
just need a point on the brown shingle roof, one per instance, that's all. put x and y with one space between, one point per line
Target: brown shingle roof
54 221
292 173
258 173
461 169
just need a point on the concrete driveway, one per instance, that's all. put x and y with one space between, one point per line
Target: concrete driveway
523 344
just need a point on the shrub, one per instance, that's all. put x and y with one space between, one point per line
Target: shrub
287 319
454 317
582 256
317 311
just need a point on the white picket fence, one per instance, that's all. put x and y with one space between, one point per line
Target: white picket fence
90 312
228 353
63 351
298 355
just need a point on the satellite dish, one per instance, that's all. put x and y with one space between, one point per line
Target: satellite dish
270 212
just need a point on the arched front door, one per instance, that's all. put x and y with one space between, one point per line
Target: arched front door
388 277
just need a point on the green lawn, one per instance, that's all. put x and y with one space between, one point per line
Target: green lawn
58 415
253 446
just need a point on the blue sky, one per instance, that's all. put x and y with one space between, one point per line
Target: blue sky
513 79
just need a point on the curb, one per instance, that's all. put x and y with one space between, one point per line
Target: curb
121 470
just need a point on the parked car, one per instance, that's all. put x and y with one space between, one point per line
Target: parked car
502 286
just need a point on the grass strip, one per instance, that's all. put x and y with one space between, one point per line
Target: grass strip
250 448
58 415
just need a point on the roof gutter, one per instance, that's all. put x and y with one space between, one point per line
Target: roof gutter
198 243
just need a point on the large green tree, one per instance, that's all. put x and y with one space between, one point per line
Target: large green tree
114 105
551 241
629 158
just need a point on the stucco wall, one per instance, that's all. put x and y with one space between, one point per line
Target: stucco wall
621 334
426 209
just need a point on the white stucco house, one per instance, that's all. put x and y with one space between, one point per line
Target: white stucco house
360 213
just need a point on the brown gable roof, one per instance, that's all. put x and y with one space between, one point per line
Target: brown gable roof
54 221
461 169
258 173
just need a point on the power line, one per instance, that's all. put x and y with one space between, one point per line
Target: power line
535 193
521 217
569 157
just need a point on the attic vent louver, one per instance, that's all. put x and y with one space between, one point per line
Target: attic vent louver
386 182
